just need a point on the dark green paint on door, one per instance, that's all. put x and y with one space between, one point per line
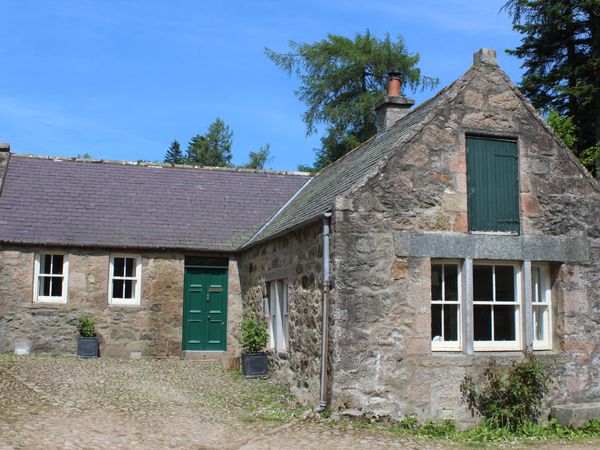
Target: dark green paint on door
493 185
205 309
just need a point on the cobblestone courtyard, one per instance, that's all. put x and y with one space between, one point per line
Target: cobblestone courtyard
64 402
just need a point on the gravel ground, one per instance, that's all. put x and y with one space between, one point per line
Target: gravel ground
65 402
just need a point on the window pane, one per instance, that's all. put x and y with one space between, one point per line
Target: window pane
436 282
535 284
57 264
482 322
436 323
505 283
450 322
117 289
539 315
451 282
45 263
128 289
119 265
482 283
504 323
56 286
44 286
129 267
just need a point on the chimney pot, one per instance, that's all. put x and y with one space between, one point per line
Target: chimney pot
394 106
4 147
394 82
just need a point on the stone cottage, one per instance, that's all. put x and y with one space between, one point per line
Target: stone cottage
463 232
148 251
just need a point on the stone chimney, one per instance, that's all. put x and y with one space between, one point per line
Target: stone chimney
486 56
394 106
4 156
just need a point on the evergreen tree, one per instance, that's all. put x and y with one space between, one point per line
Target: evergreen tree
174 154
341 82
259 159
560 47
212 149
196 150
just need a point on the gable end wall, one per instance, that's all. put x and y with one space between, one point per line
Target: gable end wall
382 359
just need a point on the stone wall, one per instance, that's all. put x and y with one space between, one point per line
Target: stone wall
296 257
4 157
382 359
152 328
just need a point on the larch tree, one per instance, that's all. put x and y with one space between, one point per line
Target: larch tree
213 148
341 81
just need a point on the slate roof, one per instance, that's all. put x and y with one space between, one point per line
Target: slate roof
318 196
75 203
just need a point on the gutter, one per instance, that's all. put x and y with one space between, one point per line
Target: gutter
325 314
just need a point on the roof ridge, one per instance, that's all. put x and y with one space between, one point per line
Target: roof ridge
158 165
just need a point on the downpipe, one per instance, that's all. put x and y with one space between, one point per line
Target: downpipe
325 315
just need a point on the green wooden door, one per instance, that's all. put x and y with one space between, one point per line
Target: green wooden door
205 309
493 185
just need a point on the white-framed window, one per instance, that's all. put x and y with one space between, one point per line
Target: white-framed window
51 278
124 285
541 300
445 306
277 291
496 306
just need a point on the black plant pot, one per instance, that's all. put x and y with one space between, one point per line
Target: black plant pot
88 347
255 365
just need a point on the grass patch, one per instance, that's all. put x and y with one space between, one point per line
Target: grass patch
484 433
264 399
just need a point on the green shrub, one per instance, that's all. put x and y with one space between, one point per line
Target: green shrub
254 335
438 430
508 399
86 327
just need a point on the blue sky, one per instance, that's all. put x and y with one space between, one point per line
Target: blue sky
122 79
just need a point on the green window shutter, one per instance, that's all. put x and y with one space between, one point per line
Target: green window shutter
493 185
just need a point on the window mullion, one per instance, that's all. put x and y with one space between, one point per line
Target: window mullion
467 288
527 299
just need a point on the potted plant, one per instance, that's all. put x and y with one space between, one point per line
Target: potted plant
253 339
88 344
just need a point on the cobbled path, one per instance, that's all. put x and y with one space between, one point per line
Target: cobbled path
65 402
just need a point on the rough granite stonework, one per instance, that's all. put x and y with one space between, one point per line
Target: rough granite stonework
4 157
297 257
382 359
153 328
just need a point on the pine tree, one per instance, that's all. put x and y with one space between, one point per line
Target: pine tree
196 150
341 82
560 47
212 149
174 154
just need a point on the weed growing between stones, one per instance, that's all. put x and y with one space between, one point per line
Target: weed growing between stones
265 400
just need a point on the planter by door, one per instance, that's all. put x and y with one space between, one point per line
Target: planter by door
255 365
88 347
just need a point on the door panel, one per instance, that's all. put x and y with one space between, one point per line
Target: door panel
205 309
